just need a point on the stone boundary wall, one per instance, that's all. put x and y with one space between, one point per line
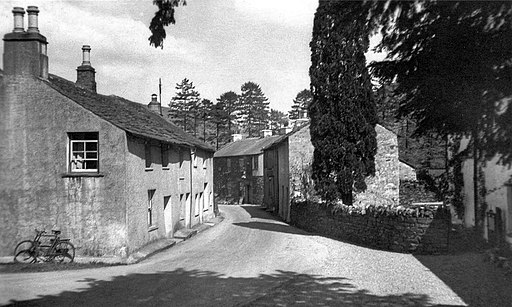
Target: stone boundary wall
421 230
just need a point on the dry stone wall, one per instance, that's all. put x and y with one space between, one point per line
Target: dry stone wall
422 230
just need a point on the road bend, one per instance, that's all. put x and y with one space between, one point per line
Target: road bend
249 259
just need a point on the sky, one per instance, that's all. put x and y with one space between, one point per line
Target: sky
218 45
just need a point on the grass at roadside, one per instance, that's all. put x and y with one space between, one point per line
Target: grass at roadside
47 267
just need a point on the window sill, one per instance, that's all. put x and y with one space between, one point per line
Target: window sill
84 174
165 168
152 228
148 169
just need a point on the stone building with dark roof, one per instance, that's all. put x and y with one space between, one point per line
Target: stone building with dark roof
238 168
110 173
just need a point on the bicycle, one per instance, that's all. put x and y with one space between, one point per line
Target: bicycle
55 249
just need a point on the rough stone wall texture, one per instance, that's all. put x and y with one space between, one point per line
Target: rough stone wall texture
423 230
257 190
301 157
407 172
414 191
34 122
382 189
231 181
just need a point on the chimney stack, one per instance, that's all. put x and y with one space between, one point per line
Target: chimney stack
236 137
18 13
32 19
85 73
155 105
25 51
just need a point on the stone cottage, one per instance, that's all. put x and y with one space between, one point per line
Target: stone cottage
110 173
238 168
287 171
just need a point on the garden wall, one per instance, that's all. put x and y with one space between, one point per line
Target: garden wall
422 230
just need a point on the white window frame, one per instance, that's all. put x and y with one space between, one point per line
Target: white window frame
193 155
151 223
82 160
255 162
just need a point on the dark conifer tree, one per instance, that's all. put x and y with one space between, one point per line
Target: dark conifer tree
342 112
254 107
229 101
184 106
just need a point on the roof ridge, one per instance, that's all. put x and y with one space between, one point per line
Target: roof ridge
125 114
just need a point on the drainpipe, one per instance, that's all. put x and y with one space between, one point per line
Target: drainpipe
192 205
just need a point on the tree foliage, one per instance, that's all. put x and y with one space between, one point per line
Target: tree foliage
277 119
300 104
254 108
184 106
164 16
342 111
230 103
451 61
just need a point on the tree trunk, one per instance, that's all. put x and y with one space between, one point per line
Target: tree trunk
475 180
204 128
195 125
217 136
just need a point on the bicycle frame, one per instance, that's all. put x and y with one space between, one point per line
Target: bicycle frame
58 248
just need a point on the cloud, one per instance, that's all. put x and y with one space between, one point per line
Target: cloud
120 53
291 13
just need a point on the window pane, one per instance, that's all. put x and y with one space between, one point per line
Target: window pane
91 146
78 155
78 146
90 135
91 155
91 164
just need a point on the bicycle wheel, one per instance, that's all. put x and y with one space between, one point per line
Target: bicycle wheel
25 252
64 252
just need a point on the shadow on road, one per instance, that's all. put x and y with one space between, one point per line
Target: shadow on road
258 212
476 282
273 227
205 288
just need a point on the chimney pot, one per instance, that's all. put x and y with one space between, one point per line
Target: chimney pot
18 13
32 11
85 73
86 55
154 105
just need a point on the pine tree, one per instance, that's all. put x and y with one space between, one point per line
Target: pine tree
254 106
229 101
342 111
220 118
205 113
300 104
184 106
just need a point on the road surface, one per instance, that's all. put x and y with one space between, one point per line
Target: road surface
249 259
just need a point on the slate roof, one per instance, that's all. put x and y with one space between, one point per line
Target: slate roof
284 137
247 147
130 116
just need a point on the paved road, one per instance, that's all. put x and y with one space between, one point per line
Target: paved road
250 259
